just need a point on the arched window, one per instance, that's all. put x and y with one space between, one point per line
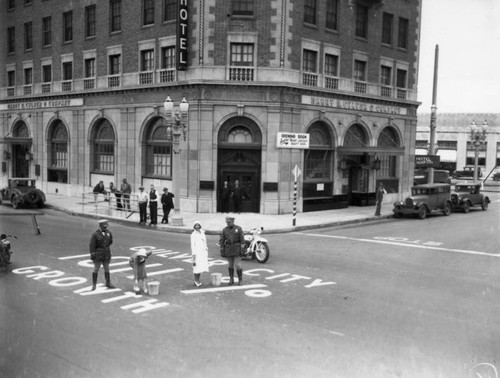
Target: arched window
356 136
388 138
58 153
158 149
21 130
240 134
318 158
104 147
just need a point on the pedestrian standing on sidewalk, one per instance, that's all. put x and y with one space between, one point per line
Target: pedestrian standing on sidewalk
138 263
118 195
199 251
100 252
167 203
126 190
142 200
231 243
379 197
153 206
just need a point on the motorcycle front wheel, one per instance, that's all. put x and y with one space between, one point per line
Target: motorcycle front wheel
262 252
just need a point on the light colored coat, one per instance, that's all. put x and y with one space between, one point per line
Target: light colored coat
199 251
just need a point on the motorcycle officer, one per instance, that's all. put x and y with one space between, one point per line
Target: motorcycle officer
232 243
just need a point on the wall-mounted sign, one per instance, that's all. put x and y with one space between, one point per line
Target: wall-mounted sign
292 140
26 105
182 35
358 106
427 161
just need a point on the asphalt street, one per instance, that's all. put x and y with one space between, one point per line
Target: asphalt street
403 298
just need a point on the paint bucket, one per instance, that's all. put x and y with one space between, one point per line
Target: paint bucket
216 278
153 287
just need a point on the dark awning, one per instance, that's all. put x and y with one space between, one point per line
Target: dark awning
355 150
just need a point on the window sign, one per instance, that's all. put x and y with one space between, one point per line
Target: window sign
293 140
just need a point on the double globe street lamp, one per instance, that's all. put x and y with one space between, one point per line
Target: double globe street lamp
478 138
176 126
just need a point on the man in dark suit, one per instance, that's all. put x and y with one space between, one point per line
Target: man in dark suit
153 206
238 195
168 204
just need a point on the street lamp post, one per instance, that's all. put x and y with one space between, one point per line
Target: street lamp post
477 138
176 126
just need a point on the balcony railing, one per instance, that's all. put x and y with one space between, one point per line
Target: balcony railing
67 86
89 83
167 75
46 87
146 77
241 74
234 74
113 81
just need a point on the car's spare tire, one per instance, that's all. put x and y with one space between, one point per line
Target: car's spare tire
32 197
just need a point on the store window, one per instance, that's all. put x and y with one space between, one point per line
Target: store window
318 160
158 150
387 166
103 148
58 153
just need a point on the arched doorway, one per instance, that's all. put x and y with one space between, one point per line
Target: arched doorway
21 143
239 159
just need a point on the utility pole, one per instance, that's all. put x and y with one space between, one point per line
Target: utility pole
432 142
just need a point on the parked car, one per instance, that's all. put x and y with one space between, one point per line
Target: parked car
22 192
467 196
467 173
496 176
425 199
440 176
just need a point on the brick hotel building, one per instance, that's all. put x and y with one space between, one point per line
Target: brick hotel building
83 86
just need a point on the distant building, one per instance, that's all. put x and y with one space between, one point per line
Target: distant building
83 83
454 143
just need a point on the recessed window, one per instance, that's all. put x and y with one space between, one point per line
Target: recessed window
58 153
67 71
332 14
387 21
158 150
90 21
169 10
11 4
47 73
89 67
148 12
241 54
243 7
11 40
401 78
28 36
147 60
11 78
104 147
168 57
331 64
68 26
385 75
310 9
359 70
115 15
114 64
309 61
28 76
403 33
46 31
362 21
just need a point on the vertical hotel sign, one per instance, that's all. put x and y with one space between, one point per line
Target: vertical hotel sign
182 35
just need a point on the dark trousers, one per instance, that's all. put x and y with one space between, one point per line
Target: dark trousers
153 209
237 205
118 201
166 211
143 215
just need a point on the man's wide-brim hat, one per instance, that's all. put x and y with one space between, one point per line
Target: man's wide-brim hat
164 189
230 218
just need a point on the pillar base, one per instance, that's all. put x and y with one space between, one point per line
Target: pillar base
176 219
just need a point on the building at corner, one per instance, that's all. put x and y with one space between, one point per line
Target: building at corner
83 86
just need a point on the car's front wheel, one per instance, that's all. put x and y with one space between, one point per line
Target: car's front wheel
447 209
16 201
466 207
422 212
484 205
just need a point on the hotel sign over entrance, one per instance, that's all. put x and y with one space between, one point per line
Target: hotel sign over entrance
293 140
352 105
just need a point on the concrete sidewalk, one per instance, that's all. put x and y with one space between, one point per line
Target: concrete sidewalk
213 223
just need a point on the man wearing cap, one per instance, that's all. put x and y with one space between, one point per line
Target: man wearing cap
167 203
153 206
100 253
142 199
231 244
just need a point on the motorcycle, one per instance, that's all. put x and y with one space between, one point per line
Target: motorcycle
5 252
256 247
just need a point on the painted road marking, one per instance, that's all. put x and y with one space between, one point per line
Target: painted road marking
157 273
129 268
224 288
74 257
464 251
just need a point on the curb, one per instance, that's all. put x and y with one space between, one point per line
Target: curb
211 232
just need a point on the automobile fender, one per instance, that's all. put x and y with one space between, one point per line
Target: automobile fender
398 204
487 199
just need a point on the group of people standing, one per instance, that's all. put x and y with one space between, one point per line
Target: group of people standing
152 198
122 195
235 194
231 241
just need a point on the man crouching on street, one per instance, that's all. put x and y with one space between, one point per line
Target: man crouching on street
100 253
231 243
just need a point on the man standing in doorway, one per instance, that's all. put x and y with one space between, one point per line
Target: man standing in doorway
167 203
153 206
237 196
225 194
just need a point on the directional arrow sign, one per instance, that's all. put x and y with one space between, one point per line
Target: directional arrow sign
296 172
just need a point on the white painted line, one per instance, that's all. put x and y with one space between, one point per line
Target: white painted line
157 273
464 251
224 288
337 333
129 268
74 257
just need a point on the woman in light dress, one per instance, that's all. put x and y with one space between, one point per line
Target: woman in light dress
199 251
